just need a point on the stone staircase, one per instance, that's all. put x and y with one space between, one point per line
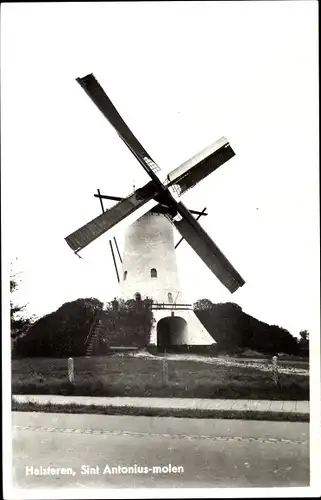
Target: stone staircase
96 330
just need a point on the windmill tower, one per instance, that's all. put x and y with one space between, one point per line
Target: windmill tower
149 267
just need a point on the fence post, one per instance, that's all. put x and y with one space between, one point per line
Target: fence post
71 373
165 371
275 370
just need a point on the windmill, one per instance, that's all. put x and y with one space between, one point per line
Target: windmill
159 211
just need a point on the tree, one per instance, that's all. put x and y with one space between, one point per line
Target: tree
202 305
128 324
304 342
304 337
20 319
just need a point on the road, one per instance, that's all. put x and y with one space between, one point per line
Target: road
213 453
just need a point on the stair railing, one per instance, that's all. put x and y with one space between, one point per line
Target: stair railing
92 328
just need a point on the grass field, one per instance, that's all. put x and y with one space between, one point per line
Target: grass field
133 376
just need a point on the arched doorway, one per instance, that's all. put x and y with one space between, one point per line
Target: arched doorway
170 331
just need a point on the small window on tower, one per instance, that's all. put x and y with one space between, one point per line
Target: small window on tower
153 273
125 275
170 298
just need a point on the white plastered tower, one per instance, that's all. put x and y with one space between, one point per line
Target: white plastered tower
149 269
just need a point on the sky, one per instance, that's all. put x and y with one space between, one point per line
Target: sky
182 75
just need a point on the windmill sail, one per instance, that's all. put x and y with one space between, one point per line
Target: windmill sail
101 224
97 94
207 250
200 166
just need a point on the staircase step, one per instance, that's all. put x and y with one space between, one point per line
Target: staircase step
97 330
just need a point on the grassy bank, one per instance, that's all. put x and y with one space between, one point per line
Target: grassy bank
137 377
162 412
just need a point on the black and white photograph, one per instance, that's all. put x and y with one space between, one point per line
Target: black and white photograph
160 249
